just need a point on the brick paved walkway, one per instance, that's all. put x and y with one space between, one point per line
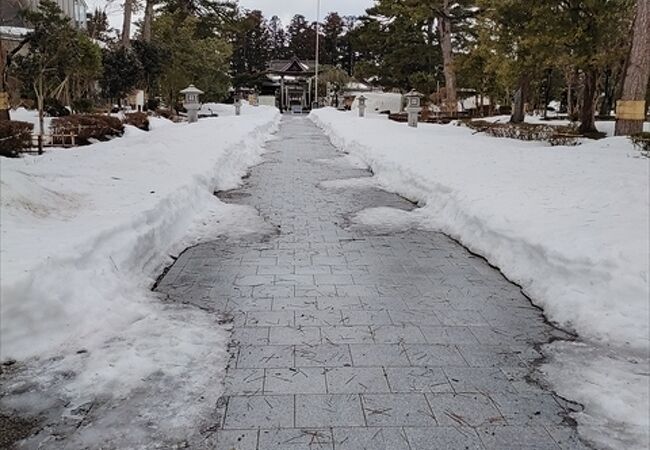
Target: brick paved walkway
345 338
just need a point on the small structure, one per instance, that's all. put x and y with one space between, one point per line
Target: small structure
362 106
290 81
191 103
413 108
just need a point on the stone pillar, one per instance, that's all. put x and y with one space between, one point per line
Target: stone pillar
362 106
238 106
413 107
191 103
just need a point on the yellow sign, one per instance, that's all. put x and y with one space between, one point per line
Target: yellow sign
4 100
630 109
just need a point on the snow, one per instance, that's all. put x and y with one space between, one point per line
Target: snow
569 224
85 232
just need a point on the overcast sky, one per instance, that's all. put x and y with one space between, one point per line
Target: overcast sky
285 9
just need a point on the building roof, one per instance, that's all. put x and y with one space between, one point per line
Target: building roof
292 66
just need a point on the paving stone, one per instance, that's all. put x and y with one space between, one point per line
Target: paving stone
355 334
443 438
268 411
296 439
244 381
295 381
379 355
237 439
324 355
361 317
449 335
465 410
397 410
294 303
466 379
516 438
567 438
370 439
251 336
529 408
395 334
353 380
295 336
265 356
432 355
417 379
269 319
329 411
318 318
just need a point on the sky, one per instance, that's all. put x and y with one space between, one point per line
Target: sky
284 9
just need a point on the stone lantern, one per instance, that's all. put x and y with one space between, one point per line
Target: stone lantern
191 103
362 106
413 107
238 105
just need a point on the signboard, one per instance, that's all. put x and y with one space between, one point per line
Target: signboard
630 109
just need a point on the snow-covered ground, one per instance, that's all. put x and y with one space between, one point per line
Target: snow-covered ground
85 232
569 224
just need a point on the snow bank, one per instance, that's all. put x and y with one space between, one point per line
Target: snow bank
84 234
569 224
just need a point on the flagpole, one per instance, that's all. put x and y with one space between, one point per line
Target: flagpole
317 48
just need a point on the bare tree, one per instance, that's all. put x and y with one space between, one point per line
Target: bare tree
637 75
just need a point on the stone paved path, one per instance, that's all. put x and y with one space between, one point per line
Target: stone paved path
349 338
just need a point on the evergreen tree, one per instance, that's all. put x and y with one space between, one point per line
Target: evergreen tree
333 29
278 39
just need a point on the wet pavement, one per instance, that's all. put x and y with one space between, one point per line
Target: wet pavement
349 337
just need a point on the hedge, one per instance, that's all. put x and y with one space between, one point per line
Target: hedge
15 137
86 127
642 142
554 134
138 120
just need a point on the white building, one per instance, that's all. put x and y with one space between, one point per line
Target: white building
76 10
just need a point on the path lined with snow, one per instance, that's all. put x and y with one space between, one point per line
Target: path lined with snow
354 329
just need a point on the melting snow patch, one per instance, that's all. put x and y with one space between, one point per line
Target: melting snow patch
385 220
350 183
614 390
345 161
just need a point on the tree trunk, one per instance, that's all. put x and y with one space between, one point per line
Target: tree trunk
148 19
41 120
547 92
606 105
126 26
587 118
4 94
518 113
444 29
637 74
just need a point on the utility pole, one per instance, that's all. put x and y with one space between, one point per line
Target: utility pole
317 50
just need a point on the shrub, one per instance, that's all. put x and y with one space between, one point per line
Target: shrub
554 134
153 104
165 113
54 108
86 127
83 105
15 136
641 141
138 120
